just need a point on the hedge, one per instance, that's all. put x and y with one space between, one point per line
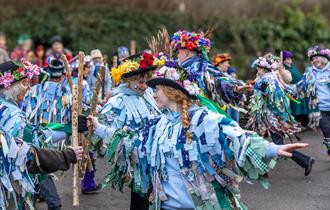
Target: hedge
86 27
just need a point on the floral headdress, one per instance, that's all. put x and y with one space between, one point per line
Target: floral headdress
134 65
191 41
178 76
318 51
13 71
267 62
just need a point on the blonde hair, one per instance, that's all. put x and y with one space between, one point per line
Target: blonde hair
185 101
12 92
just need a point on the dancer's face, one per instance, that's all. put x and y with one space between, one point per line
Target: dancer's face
26 88
319 62
261 71
224 66
184 54
138 84
161 98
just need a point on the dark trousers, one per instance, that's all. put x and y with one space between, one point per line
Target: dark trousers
138 202
49 193
301 159
303 119
325 128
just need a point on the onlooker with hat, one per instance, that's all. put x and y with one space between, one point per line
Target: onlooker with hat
231 71
57 49
4 57
299 111
122 53
24 46
97 61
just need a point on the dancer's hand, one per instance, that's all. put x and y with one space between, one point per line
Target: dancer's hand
286 149
78 150
92 121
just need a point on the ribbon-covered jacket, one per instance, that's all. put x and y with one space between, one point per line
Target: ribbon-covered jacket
126 109
48 102
216 85
19 140
270 108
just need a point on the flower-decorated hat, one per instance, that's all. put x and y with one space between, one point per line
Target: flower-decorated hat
318 51
175 77
220 58
267 62
13 71
134 65
191 41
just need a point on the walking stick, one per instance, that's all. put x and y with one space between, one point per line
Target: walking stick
93 113
115 61
75 184
105 60
133 47
81 138
77 137
67 71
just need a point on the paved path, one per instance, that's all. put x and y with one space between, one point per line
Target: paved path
290 189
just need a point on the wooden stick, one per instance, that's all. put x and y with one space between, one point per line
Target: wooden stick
281 59
67 71
133 47
115 61
80 79
81 137
75 184
93 113
103 85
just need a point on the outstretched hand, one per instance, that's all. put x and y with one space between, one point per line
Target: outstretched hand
286 149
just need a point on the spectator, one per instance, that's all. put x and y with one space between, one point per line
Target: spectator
57 49
299 111
97 61
24 46
3 49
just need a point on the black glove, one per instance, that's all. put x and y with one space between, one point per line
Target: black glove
82 123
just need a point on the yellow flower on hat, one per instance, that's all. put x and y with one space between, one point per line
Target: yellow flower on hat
159 62
125 67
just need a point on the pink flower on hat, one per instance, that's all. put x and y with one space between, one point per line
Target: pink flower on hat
6 79
32 69
21 71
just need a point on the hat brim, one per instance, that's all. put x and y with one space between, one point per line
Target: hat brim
168 82
138 71
321 55
55 73
268 69
133 57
